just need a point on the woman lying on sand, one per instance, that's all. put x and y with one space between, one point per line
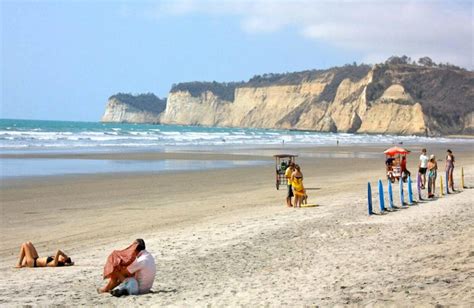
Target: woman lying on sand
29 258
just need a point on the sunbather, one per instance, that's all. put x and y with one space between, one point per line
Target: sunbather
29 258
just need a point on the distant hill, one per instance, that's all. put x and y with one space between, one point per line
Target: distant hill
398 96
142 108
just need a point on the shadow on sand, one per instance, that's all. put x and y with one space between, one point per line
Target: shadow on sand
163 291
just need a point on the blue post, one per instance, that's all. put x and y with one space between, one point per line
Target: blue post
381 197
410 192
369 198
418 186
390 194
447 187
402 201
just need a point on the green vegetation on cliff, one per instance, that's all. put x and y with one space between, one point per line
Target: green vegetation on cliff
226 90
445 92
146 102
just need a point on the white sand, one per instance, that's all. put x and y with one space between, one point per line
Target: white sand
248 249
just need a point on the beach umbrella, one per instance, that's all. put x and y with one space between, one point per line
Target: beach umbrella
396 150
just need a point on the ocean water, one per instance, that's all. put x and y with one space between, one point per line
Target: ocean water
26 136
29 136
20 168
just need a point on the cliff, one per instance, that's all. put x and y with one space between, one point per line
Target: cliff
385 98
126 108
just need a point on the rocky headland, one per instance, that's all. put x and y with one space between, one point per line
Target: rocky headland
396 97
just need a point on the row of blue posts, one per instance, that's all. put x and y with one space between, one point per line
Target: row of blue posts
443 190
390 195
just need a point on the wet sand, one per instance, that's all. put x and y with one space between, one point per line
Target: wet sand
225 238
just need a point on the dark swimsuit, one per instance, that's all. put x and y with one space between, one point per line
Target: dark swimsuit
48 259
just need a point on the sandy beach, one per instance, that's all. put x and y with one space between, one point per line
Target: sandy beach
225 238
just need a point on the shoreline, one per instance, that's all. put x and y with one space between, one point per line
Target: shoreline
189 160
228 230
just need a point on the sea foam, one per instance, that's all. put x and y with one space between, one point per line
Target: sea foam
43 135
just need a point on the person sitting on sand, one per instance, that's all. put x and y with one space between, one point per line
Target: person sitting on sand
29 258
432 173
297 184
130 271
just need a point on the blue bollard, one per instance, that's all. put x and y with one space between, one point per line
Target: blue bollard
390 194
369 198
402 197
410 192
381 197
447 187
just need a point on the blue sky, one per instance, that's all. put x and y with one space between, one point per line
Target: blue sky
61 60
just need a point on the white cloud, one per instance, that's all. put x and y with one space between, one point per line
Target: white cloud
377 29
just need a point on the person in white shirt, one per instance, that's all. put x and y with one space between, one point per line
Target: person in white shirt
422 166
141 274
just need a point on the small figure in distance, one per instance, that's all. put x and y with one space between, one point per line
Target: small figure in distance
29 258
403 166
298 187
389 169
450 169
288 173
432 173
422 167
396 168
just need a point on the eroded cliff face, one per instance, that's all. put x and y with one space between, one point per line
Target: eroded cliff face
405 99
206 109
117 111
299 107
126 108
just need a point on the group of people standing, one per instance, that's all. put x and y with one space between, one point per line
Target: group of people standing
295 185
430 166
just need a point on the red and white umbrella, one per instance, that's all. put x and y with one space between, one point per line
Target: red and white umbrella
396 150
